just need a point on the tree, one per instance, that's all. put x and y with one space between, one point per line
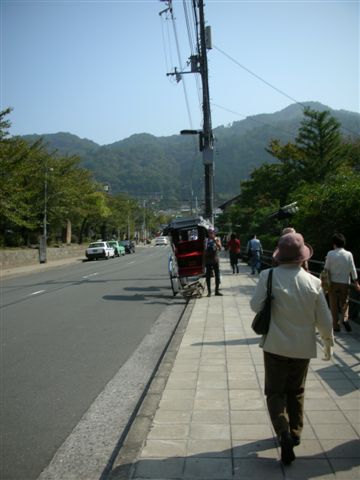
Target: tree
320 145
329 207
316 170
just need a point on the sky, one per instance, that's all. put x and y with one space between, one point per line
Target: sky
97 69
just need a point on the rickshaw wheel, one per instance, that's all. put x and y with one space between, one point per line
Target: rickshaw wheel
174 282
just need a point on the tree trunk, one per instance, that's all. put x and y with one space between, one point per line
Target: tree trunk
82 228
68 232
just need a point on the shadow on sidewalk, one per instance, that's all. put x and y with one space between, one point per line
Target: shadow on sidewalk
246 462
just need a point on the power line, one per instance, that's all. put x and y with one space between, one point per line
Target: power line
269 84
253 119
258 76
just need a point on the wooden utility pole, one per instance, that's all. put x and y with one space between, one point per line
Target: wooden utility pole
207 136
199 65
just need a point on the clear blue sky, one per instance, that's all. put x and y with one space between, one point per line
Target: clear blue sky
97 69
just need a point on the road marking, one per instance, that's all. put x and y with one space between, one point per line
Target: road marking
91 275
37 293
134 261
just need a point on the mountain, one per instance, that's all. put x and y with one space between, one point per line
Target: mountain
168 167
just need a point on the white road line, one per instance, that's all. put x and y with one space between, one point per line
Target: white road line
37 293
91 275
134 261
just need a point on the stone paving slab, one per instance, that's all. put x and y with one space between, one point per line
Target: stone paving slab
212 421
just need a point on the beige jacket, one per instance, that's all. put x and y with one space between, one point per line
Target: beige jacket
298 308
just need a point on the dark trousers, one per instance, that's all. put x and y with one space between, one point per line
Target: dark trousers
284 389
212 267
234 258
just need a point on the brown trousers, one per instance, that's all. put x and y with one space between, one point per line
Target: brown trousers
285 389
339 302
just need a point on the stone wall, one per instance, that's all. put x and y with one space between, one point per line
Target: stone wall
18 257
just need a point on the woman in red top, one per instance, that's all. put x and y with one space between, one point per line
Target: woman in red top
234 250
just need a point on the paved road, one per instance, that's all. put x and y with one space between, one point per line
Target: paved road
66 332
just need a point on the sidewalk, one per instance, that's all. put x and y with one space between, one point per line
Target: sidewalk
212 422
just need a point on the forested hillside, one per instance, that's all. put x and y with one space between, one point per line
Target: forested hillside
170 166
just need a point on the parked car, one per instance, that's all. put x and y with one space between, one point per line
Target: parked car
119 249
161 241
99 250
128 245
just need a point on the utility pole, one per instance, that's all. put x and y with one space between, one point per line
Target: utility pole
207 136
199 64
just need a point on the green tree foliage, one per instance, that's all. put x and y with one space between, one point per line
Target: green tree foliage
320 146
34 180
330 207
321 172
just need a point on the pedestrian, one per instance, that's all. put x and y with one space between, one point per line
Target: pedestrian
286 230
212 263
254 251
233 245
298 308
340 266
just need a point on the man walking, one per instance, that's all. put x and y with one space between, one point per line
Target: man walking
254 250
212 249
340 265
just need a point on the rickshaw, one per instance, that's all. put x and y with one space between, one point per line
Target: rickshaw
186 261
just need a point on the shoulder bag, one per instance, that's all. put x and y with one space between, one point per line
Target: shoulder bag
261 322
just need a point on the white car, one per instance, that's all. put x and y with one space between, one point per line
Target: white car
99 250
161 241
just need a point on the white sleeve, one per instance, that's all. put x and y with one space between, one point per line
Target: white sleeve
353 271
323 320
259 296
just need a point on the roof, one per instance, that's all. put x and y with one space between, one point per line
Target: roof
186 223
229 202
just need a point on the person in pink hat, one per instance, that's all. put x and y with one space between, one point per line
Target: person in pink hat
298 310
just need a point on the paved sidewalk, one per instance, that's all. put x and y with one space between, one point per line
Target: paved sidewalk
212 421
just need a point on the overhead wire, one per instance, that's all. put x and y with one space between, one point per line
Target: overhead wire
164 45
193 49
268 83
181 66
247 117
257 76
197 36
193 45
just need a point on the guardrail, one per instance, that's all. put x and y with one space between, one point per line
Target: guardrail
315 267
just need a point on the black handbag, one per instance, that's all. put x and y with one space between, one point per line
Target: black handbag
261 322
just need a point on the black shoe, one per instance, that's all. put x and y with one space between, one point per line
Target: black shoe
219 294
347 326
209 294
296 440
287 445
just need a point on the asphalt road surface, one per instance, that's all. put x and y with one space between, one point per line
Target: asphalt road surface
65 333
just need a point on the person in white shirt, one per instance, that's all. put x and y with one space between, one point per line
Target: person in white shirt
340 265
254 251
298 309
